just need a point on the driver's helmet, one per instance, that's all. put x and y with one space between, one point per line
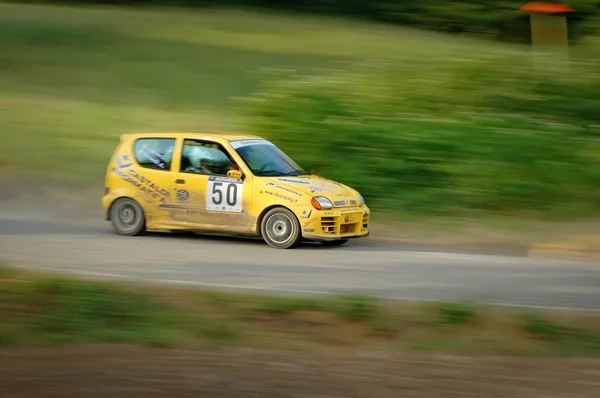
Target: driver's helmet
198 159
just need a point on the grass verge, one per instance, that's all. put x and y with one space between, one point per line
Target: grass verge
41 309
74 79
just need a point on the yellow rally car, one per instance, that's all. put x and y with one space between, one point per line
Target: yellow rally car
233 184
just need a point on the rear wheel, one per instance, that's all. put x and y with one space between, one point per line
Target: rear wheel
280 228
338 242
127 217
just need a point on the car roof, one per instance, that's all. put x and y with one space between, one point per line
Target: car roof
199 135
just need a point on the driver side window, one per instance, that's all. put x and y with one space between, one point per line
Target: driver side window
204 157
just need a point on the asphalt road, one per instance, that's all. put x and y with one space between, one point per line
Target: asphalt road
364 267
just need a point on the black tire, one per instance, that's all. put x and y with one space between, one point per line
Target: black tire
338 242
127 217
280 228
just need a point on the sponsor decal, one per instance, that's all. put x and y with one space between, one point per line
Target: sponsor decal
243 143
310 221
280 196
142 183
168 206
351 218
316 189
183 195
153 155
353 202
306 213
293 181
329 213
201 213
340 203
123 161
309 230
277 186
226 179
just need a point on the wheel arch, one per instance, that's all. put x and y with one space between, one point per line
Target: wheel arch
109 210
264 212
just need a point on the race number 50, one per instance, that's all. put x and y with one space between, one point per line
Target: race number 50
224 194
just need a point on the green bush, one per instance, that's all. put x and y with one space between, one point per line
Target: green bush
567 337
283 305
90 308
446 133
456 313
542 328
357 307
217 328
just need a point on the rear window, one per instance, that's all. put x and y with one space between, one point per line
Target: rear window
154 153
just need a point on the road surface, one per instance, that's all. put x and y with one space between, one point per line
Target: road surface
366 267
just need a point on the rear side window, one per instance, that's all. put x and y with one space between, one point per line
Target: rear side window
154 153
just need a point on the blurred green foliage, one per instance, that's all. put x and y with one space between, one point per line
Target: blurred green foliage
566 338
45 309
484 132
450 313
493 16
357 307
283 305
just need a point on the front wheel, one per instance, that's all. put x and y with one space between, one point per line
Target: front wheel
280 228
337 242
127 217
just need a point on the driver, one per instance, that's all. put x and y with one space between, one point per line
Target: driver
198 162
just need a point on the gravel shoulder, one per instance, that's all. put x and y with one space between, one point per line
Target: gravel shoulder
130 371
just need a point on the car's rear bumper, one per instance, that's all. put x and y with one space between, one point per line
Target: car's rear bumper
336 224
106 202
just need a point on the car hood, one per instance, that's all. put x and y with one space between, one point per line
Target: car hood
339 194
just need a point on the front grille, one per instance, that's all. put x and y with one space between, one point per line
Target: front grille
337 225
328 225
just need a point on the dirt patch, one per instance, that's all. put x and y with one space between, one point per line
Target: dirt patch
583 247
129 371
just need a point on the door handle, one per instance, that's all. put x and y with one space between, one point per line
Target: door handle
179 181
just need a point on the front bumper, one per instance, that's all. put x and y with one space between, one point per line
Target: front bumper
328 239
335 224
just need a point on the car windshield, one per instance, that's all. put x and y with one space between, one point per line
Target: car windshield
265 159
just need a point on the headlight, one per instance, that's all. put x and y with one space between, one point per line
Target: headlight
361 200
321 203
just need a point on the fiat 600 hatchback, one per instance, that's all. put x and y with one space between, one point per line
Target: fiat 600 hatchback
225 183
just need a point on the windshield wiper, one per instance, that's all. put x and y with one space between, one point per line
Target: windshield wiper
277 173
296 173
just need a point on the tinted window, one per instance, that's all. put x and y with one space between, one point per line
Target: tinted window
203 157
154 153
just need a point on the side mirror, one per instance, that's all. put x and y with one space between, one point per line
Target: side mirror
234 174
